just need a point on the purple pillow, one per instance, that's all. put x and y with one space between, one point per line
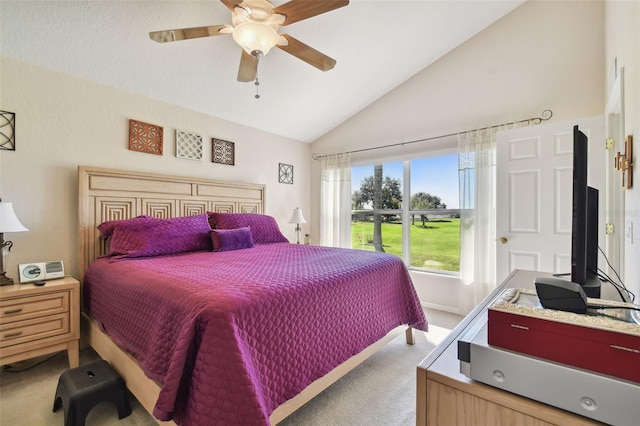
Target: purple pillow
264 229
231 239
106 228
149 236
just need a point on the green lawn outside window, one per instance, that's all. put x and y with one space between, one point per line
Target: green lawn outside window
436 246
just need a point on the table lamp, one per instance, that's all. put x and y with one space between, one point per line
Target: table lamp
8 223
297 218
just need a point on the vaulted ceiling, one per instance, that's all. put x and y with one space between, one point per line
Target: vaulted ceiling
378 44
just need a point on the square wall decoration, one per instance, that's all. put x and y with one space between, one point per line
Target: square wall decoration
7 130
285 173
145 137
223 152
188 145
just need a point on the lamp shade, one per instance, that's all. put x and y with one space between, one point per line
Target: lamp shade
297 216
255 37
8 220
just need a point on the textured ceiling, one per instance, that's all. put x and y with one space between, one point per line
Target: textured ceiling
378 45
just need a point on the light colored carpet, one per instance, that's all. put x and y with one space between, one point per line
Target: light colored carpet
26 397
381 391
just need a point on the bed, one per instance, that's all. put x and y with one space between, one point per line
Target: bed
241 327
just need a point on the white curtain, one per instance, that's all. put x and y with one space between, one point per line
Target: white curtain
477 169
335 205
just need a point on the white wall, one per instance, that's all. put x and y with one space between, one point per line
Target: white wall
622 37
63 122
543 55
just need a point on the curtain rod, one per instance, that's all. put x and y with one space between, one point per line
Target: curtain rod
546 115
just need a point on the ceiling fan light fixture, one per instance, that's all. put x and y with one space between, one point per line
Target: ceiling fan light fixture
255 37
255 29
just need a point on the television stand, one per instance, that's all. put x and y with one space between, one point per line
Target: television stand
592 286
445 396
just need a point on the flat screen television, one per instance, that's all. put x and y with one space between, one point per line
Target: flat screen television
584 226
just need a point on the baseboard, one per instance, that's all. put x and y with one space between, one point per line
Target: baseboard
443 308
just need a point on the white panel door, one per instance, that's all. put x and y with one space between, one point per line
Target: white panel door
534 194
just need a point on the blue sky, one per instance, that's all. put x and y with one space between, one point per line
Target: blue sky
436 176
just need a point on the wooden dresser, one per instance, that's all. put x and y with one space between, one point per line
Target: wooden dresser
447 397
39 320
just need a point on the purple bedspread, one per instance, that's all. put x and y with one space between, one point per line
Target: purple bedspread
232 335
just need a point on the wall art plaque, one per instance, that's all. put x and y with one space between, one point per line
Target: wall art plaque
145 137
223 152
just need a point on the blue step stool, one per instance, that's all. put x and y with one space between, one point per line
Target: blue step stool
81 388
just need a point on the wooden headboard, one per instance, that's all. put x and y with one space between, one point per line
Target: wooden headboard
107 194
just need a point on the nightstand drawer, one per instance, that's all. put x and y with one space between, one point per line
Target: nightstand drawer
15 333
23 308
39 320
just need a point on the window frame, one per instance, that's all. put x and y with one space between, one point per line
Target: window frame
450 148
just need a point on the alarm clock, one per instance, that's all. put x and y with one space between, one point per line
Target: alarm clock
30 272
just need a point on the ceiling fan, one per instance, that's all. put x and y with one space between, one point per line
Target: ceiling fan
255 29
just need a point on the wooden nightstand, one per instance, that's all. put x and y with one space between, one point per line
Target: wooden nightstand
38 320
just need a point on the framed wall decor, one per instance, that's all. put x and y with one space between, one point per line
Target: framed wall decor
145 137
223 152
7 130
188 145
285 173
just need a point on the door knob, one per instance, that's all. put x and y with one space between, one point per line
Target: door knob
503 240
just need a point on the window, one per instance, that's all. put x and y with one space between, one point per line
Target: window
424 230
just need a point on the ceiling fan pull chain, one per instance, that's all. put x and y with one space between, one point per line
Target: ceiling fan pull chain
257 83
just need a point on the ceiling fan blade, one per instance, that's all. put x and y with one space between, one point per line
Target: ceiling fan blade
297 10
307 54
187 33
248 67
231 4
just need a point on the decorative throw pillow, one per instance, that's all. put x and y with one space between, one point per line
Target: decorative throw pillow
264 229
231 239
149 236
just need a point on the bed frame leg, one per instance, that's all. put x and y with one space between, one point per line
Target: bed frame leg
411 336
